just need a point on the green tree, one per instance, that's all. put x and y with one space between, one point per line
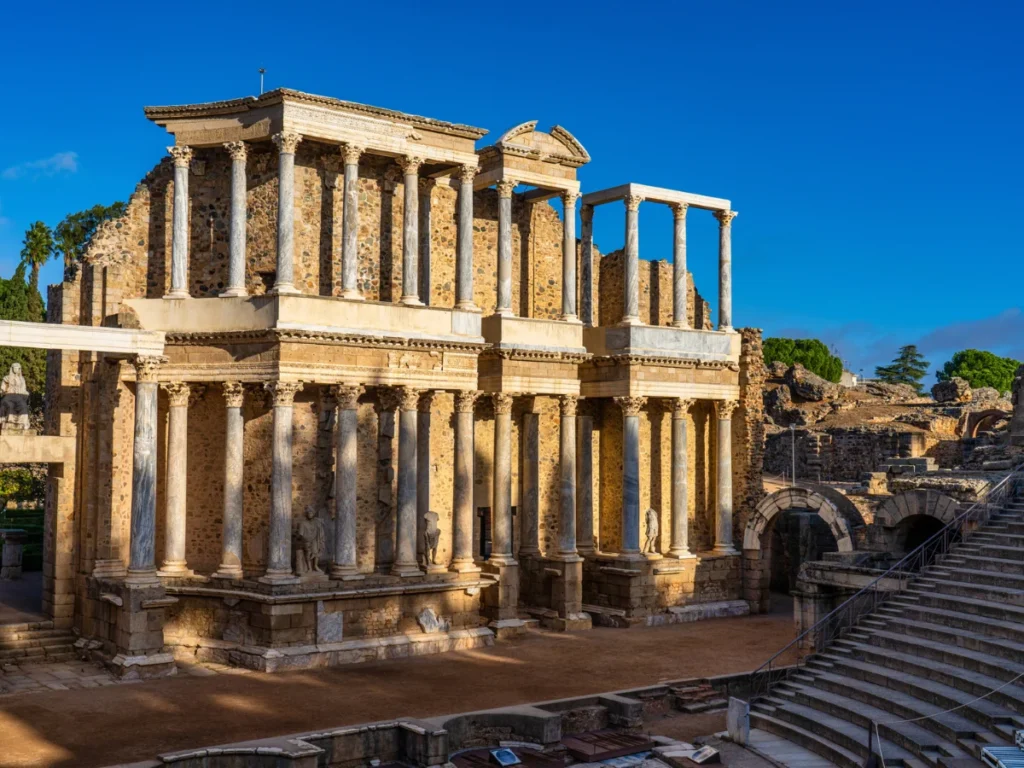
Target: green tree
20 301
37 249
76 230
810 353
981 369
20 484
909 367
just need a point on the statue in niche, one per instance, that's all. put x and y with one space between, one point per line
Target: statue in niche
14 408
431 537
309 544
653 527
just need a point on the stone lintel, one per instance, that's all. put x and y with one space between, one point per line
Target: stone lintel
655 195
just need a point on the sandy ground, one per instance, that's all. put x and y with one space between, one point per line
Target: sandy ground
124 723
22 600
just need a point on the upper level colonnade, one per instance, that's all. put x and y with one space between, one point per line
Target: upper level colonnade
426 151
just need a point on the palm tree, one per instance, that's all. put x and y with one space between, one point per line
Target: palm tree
37 250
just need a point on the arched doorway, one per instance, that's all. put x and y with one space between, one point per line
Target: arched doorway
911 518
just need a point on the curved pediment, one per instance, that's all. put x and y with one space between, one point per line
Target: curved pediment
559 146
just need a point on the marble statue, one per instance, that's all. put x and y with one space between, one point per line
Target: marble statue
431 537
309 544
652 530
14 408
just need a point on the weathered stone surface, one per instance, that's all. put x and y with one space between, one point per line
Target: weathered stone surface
810 386
984 394
955 390
891 392
777 370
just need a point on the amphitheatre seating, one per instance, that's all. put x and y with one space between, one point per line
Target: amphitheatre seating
918 665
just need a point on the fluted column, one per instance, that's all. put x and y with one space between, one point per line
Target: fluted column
505 188
567 469
234 488
569 256
587 264
345 564
725 269
179 226
426 189
423 474
631 265
287 143
585 478
723 521
679 319
464 254
680 546
176 480
501 535
350 223
410 230
405 538
462 517
279 562
236 244
529 500
631 407
142 560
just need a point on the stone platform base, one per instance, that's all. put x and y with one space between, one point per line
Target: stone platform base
141 667
551 620
683 614
333 654
507 629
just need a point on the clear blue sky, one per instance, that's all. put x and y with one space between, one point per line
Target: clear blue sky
873 150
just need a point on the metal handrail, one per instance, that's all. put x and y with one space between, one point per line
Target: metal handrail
868 599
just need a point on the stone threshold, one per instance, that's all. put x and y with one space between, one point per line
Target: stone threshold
317 655
607 616
348 593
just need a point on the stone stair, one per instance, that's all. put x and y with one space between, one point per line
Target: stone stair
35 642
919 666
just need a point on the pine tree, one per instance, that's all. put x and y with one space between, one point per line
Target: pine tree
909 367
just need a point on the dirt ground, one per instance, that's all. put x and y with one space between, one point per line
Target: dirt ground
125 723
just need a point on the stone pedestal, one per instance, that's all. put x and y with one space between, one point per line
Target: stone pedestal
13 542
567 595
501 600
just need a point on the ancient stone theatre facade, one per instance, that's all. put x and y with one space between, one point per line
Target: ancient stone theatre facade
402 406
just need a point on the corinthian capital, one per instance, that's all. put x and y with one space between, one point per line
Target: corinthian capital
182 156
682 405
234 394
351 153
567 405
467 173
347 396
502 402
679 210
724 408
464 401
633 202
237 149
631 406
725 217
410 164
505 187
146 366
282 393
287 142
569 199
177 393
408 399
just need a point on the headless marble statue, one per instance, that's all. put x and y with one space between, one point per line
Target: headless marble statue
309 544
431 537
14 408
652 530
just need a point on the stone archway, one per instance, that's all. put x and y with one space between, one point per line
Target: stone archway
978 421
896 515
839 514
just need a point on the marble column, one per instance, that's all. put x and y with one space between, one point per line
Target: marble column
631 264
501 506
725 269
567 472
505 188
239 215
680 547
142 559
464 252
345 564
462 517
234 488
426 188
569 256
287 143
587 264
410 230
529 501
723 521
631 407
405 538
350 223
585 478
423 474
179 225
279 561
679 319
176 480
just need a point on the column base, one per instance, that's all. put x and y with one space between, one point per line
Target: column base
504 313
631 320
437 568
726 329
406 570
570 319
232 293
724 549
586 551
634 555
146 578
464 566
682 325
284 289
178 295
345 572
680 554
502 560
228 573
175 570
278 577
467 306
411 301
352 295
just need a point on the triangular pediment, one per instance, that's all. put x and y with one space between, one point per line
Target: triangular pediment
559 146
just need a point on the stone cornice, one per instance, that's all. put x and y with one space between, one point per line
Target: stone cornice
280 95
504 353
277 336
665 362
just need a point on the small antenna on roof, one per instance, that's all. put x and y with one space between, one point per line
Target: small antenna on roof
262 73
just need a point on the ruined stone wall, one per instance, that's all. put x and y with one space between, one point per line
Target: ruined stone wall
839 453
655 293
